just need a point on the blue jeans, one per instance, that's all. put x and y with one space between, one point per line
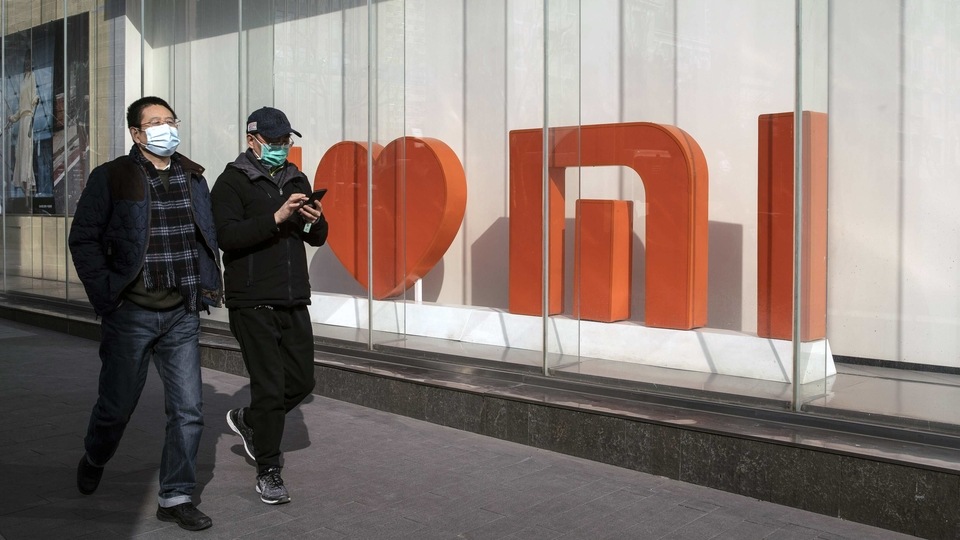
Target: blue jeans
131 335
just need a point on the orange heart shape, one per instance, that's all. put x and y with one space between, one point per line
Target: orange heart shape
419 199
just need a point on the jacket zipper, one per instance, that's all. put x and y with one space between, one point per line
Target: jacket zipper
289 272
286 243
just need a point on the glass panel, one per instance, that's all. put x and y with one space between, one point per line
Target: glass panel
663 260
40 141
309 59
186 46
440 264
894 319
469 74
74 165
814 369
513 244
318 56
472 73
92 75
350 81
388 170
563 181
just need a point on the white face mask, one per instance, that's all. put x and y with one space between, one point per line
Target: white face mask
162 140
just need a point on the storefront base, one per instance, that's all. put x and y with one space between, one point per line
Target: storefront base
848 470
702 350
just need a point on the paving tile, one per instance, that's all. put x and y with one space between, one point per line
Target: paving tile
662 524
534 533
706 526
745 530
606 525
597 512
793 532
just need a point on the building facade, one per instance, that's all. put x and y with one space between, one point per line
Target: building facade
744 201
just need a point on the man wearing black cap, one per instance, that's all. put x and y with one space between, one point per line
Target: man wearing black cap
262 223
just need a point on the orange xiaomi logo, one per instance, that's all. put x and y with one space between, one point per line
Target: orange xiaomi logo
420 197
674 174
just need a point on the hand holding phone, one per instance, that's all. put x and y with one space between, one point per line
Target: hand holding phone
315 196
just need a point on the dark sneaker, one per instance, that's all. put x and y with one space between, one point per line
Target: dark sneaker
186 515
236 423
88 476
270 487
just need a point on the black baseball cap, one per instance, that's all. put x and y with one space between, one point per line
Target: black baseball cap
272 123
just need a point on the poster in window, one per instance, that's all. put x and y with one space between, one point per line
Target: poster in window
46 104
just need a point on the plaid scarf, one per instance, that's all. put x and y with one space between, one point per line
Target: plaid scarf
171 261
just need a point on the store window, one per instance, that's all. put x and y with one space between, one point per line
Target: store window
619 192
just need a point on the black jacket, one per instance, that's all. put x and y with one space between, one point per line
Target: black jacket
263 263
111 230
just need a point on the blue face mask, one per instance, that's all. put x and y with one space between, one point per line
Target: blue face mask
273 155
162 140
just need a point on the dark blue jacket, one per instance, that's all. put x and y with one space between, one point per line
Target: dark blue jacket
111 231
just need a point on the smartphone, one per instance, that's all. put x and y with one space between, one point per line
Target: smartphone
315 196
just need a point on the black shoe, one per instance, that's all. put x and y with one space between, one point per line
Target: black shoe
88 476
270 487
186 515
236 423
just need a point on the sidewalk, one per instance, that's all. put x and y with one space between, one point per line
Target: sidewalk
352 473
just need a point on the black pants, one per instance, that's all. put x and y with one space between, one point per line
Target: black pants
277 348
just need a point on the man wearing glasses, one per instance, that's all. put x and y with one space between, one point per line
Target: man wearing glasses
262 222
143 242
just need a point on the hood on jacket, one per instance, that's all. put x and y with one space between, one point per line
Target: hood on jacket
252 168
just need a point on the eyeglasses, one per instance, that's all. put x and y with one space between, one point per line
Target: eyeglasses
157 122
286 142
